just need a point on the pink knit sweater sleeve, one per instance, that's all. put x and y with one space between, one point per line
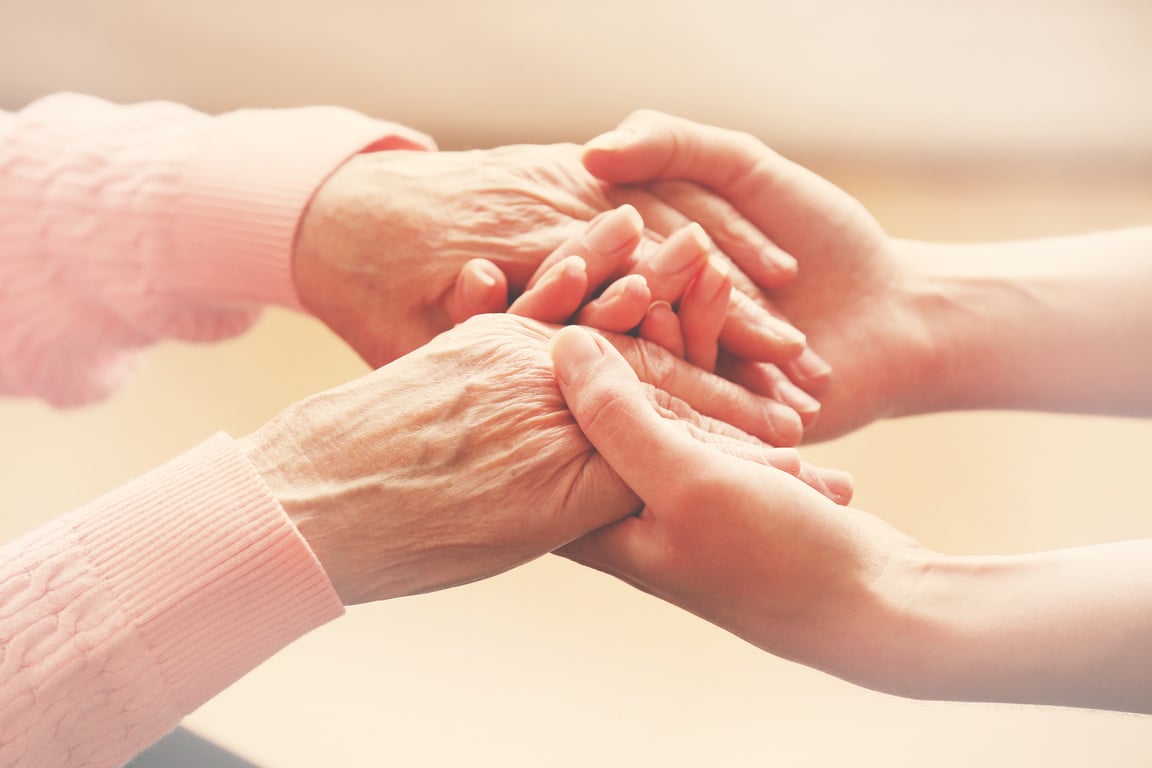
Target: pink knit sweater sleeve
123 225
120 226
122 617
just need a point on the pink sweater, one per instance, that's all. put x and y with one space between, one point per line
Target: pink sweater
120 226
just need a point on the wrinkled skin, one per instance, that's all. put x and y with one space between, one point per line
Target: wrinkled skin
384 240
379 251
460 460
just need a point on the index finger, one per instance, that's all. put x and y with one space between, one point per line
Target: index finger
770 420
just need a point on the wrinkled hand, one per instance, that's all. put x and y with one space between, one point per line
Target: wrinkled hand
851 294
678 295
383 241
682 308
740 544
460 459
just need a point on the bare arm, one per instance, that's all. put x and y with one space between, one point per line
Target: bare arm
1068 627
1062 324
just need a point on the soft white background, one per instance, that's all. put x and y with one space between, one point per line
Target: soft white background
975 120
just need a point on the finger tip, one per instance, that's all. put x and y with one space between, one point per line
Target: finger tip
481 288
573 266
600 155
786 460
810 370
699 237
573 349
637 284
809 416
484 271
778 268
609 141
634 218
840 484
785 424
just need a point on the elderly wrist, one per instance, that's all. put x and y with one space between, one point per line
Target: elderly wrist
293 476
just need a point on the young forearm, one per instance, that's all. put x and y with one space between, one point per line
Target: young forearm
1063 324
1064 628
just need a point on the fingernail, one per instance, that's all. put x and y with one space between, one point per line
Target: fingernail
803 403
567 267
786 424
621 286
789 334
712 279
659 306
781 260
574 351
671 257
839 483
811 366
611 141
614 229
572 265
633 216
478 286
699 235
784 459
777 333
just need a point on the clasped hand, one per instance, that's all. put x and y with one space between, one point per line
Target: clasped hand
460 460
399 246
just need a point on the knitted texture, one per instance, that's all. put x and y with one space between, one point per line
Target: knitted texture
124 225
122 617
121 226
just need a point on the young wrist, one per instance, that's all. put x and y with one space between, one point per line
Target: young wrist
1052 324
918 342
891 634
958 306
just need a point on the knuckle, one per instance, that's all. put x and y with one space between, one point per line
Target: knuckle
602 413
659 364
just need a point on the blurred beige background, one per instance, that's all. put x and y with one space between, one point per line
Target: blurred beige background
960 121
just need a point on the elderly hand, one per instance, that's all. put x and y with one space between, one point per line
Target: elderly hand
685 314
855 295
384 239
678 294
460 459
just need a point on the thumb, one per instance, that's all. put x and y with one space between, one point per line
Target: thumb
651 145
481 287
611 407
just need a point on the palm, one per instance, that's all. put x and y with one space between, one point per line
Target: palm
850 273
841 299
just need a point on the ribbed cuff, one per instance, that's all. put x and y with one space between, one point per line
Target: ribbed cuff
243 184
203 559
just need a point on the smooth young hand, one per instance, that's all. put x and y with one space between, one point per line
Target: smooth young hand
757 552
851 295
